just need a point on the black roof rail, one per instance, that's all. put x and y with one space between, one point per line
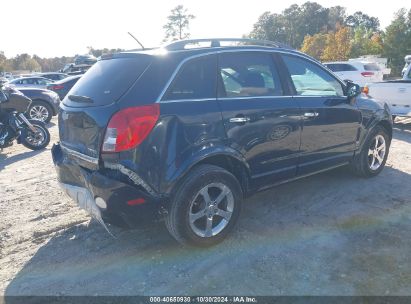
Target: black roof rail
216 42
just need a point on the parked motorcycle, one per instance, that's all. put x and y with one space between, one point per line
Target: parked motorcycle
14 125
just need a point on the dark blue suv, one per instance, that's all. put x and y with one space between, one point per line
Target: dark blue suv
184 133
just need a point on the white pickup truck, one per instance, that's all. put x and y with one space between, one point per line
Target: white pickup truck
396 93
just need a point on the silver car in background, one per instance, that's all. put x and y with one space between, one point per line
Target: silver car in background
30 82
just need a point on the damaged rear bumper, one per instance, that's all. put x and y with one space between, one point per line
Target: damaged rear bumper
112 185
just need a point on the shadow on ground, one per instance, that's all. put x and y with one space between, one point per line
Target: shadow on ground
402 129
6 161
331 234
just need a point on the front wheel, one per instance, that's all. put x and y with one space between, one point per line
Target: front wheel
371 160
35 140
205 207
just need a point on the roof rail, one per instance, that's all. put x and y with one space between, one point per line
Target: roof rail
216 42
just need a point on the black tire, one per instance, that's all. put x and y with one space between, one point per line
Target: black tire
27 134
187 197
39 106
362 163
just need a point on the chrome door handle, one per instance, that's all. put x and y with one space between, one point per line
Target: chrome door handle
311 114
239 119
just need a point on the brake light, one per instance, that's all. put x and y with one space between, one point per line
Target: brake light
365 90
136 202
129 127
367 74
56 87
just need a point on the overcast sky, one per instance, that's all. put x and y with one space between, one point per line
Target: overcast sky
51 28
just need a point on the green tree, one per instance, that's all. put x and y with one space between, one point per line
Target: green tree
365 42
297 21
3 62
269 27
397 40
336 17
360 19
178 24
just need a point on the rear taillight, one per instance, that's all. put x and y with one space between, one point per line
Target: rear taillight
365 90
129 127
367 74
56 87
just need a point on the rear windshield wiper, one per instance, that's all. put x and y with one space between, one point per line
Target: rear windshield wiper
79 98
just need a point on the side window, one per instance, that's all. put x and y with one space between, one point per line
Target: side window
42 81
310 79
248 74
197 79
27 81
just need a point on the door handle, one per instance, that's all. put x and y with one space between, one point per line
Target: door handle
239 119
311 114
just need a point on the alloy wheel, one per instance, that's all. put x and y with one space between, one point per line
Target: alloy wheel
376 152
211 210
36 138
39 112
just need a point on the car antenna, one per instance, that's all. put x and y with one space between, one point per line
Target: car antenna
142 46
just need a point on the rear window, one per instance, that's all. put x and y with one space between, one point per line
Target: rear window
340 67
107 80
371 67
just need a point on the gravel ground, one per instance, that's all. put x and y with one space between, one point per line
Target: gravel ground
332 234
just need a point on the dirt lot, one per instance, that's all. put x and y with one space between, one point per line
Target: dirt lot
331 234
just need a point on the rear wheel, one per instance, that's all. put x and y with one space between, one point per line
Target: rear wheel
374 153
205 207
40 110
35 140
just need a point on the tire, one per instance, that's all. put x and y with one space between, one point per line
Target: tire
363 164
40 110
189 203
28 139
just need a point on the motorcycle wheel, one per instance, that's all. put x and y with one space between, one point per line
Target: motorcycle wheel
35 140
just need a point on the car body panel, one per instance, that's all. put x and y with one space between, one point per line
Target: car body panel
329 137
50 97
397 93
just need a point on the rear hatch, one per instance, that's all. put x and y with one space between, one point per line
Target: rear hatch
88 107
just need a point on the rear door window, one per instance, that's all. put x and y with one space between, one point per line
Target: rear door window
248 74
107 80
196 79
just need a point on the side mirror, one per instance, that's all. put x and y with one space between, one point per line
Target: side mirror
353 90
3 97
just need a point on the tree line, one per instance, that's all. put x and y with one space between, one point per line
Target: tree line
328 34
